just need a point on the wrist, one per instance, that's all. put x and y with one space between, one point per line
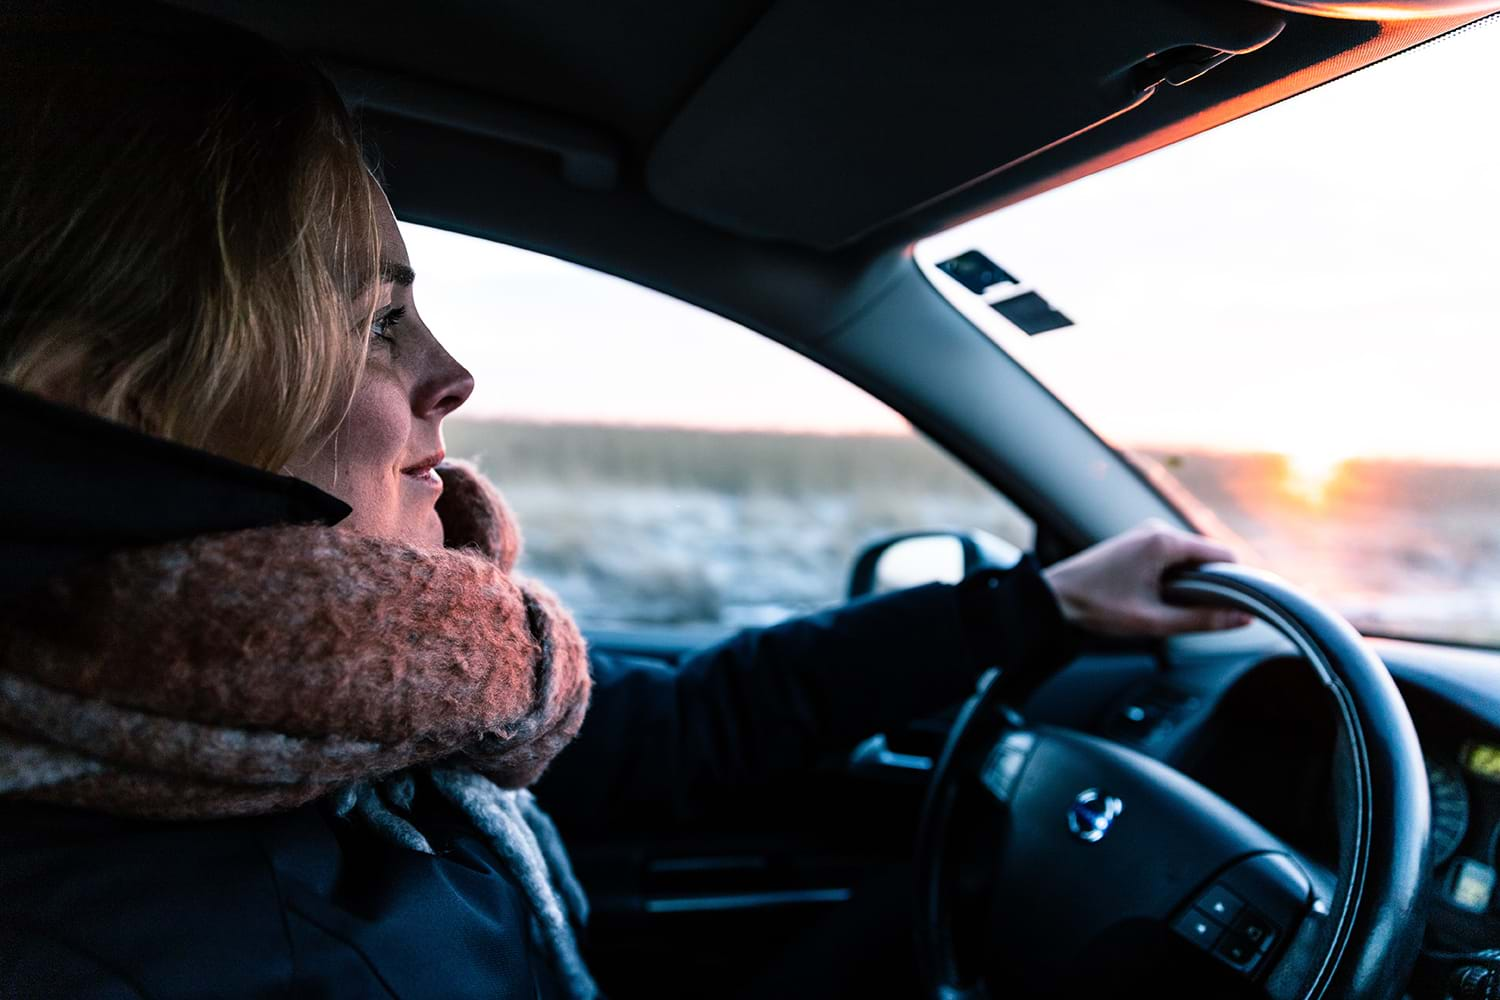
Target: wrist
1070 610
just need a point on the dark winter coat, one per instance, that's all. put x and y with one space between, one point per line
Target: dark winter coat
305 903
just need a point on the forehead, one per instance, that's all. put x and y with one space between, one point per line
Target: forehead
392 246
395 265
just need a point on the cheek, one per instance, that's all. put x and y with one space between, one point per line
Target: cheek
360 464
372 441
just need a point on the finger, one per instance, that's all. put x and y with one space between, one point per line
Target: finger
1185 548
1168 620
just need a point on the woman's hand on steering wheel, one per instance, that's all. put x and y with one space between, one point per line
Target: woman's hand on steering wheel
1115 587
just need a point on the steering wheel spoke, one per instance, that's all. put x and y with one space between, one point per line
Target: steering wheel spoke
1107 851
1248 913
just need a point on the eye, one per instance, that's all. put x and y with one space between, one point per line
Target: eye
382 326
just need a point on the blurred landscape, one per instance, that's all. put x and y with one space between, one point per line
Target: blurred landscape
1399 548
693 527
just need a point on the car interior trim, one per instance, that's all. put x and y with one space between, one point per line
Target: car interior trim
748 900
590 158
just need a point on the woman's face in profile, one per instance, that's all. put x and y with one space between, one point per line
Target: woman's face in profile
381 459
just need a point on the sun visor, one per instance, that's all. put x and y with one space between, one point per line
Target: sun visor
832 117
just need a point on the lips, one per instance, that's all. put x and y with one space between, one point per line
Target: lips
425 471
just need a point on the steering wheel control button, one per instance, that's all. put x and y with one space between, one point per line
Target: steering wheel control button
1092 814
1256 929
1221 904
1238 950
1002 767
1150 715
1198 929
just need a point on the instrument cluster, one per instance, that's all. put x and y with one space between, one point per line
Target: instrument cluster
1465 787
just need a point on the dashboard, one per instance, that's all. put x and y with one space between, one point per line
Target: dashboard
1258 728
1239 714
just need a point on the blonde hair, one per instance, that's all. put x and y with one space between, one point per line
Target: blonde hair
187 230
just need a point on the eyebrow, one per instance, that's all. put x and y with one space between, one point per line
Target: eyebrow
399 273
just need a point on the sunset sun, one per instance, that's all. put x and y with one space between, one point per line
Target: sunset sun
1310 474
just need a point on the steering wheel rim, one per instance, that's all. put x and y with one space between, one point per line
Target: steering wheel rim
1366 946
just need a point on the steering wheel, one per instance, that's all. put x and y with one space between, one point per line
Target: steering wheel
1054 863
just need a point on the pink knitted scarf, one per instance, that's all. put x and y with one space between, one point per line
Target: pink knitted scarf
254 671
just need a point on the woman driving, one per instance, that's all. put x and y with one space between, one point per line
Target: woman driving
271 693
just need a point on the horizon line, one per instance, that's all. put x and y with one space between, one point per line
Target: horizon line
1168 448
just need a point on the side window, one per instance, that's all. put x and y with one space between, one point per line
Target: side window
668 466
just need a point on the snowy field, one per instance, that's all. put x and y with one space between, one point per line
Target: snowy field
678 527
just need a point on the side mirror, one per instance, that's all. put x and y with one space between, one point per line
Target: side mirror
917 557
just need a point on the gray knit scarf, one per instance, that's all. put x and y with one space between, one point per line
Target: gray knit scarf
521 834
255 671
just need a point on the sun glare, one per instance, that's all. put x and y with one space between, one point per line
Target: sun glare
1310 475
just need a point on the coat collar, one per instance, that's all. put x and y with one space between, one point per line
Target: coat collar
78 486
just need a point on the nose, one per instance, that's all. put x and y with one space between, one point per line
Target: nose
445 388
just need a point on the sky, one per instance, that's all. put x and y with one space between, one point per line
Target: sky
549 340
1319 279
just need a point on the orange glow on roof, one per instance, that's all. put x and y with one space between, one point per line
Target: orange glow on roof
1411 10
1395 36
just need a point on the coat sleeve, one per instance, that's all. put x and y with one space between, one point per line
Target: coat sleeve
769 701
39 966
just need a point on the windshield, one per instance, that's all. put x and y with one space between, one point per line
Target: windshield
1296 317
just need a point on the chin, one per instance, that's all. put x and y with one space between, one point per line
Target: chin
428 532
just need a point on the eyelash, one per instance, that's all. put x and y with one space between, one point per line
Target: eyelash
389 320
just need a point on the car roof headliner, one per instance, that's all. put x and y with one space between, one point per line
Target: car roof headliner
820 123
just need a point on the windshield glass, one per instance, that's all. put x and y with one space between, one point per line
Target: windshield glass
1296 317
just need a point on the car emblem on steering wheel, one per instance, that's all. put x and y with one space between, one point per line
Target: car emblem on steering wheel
1092 814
